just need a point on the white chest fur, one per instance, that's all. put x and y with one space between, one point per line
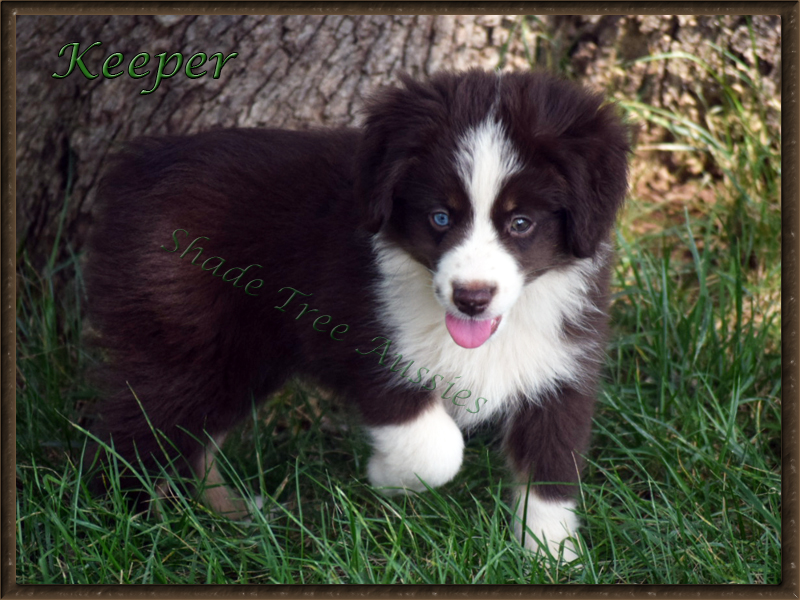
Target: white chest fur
526 356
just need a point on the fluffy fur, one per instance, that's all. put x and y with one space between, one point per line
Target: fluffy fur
470 228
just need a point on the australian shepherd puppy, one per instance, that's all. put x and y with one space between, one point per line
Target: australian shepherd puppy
443 266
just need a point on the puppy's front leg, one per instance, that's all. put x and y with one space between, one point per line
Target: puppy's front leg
545 442
429 447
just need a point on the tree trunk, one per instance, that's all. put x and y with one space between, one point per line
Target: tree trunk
291 71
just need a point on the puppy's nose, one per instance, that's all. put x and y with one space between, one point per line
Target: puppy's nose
472 299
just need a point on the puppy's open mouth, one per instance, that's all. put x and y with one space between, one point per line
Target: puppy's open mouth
470 333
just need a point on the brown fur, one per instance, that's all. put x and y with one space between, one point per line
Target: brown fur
196 351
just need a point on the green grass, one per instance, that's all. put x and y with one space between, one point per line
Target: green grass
684 475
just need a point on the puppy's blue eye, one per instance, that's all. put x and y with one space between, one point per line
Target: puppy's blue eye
440 219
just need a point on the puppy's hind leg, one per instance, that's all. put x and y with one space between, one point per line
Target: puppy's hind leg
214 492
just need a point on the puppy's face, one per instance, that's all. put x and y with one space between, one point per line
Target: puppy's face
483 222
487 193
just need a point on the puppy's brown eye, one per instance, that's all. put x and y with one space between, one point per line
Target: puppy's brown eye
520 226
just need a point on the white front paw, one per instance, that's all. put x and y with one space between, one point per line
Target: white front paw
547 522
429 448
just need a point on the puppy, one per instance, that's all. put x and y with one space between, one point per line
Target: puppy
443 266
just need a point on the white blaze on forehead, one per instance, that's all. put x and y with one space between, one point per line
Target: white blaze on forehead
485 159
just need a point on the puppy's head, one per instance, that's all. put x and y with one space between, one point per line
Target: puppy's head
489 181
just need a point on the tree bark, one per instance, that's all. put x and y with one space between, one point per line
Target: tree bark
291 71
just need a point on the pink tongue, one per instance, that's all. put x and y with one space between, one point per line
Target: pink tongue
468 334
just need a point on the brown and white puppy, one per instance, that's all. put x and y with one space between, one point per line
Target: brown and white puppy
443 266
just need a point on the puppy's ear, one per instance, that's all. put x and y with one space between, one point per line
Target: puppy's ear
379 159
379 167
597 173
397 123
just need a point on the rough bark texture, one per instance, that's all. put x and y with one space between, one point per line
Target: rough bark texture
291 71
300 71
